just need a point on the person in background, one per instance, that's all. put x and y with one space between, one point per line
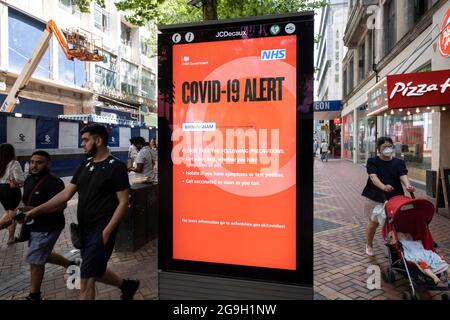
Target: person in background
145 161
315 147
324 151
132 153
386 176
11 180
154 152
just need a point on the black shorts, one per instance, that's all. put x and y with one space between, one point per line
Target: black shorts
9 197
95 255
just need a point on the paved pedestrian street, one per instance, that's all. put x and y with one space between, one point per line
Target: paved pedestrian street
340 262
15 275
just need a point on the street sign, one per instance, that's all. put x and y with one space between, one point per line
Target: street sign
324 106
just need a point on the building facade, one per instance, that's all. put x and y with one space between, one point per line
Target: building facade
330 51
122 86
386 38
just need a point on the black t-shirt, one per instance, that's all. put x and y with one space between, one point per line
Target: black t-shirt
42 192
97 184
389 172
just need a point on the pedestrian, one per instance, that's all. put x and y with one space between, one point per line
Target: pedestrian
145 160
11 180
324 150
386 176
102 185
39 187
315 147
132 153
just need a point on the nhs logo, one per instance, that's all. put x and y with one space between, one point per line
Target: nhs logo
276 54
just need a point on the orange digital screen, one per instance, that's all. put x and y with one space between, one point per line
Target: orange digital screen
234 152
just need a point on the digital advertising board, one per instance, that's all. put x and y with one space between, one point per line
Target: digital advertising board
235 144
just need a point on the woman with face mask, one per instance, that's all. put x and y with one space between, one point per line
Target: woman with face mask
386 176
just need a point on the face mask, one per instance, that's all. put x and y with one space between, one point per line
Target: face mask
388 152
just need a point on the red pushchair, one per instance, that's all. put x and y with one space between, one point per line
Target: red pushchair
412 216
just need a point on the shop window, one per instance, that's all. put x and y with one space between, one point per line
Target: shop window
24 33
412 136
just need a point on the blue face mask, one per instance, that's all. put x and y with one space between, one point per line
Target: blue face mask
387 152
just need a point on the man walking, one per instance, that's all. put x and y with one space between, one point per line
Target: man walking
45 229
324 151
102 185
146 159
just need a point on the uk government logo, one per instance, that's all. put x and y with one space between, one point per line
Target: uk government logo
225 34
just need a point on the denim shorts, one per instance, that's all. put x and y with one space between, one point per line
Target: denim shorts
40 246
95 254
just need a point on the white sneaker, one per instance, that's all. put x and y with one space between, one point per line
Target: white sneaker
369 251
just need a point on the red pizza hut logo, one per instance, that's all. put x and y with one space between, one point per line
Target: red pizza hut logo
418 89
444 38
411 90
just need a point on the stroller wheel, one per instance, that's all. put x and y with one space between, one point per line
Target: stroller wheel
389 275
445 297
408 295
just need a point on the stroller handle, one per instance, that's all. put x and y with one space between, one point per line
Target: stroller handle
413 196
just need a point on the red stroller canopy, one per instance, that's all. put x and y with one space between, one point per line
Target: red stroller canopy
411 216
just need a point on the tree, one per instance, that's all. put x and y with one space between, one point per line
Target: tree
139 12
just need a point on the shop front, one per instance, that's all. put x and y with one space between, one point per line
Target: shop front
347 136
407 115
367 135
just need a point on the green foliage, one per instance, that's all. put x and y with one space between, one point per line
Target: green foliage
139 12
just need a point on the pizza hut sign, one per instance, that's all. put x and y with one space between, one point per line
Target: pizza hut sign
444 38
419 89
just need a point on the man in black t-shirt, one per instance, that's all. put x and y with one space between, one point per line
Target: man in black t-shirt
45 229
102 185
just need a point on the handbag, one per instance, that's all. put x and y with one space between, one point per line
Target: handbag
25 230
75 235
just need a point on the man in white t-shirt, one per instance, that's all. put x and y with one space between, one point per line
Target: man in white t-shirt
145 162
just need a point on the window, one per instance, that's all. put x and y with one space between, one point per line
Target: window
336 77
420 8
125 34
390 26
106 71
344 78
361 62
69 5
71 72
145 47
148 84
351 69
24 33
336 67
129 78
370 48
101 19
